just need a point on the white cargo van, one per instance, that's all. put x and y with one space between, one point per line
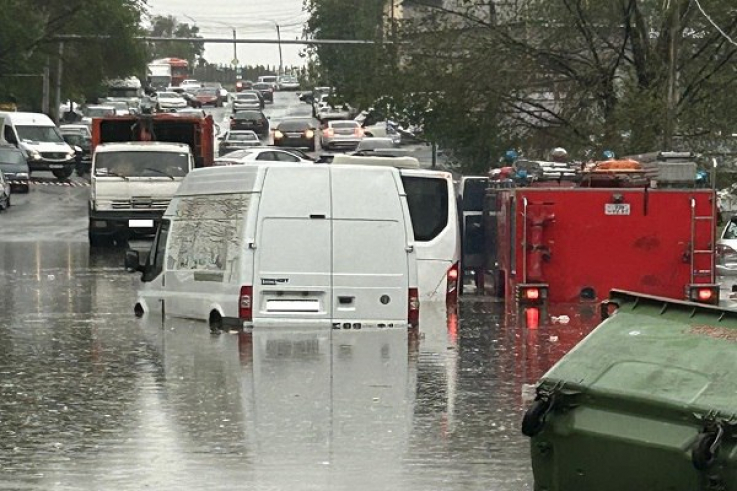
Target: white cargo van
284 243
131 185
39 139
432 205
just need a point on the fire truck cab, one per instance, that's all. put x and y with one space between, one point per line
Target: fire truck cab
562 235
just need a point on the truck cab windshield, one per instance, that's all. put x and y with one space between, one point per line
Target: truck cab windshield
142 164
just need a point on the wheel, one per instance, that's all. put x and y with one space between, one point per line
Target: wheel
216 322
701 455
98 240
25 189
63 174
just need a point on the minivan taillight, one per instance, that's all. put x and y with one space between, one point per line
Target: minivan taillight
413 308
245 304
451 292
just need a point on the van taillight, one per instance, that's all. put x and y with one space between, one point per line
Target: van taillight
245 304
451 292
413 308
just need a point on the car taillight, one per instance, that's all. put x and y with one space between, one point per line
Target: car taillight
330 132
413 308
245 304
708 294
451 292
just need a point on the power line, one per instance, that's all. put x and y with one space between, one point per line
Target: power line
716 26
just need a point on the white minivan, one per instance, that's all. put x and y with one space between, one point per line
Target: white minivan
279 244
39 139
433 207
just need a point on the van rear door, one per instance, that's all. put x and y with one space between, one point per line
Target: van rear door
292 265
371 270
432 205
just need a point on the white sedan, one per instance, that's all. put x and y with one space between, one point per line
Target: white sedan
167 101
256 155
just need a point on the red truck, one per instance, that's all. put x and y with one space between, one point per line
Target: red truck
569 237
197 131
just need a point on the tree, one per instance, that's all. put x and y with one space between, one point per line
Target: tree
169 26
28 30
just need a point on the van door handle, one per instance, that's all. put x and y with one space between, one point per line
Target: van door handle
318 217
410 248
345 300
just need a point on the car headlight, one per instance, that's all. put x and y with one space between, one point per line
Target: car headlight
34 154
103 205
278 135
21 175
71 155
309 134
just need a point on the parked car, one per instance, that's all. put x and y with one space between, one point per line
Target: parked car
250 120
15 168
297 132
242 85
267 91
341 134
209 96
288 82
727 249
238 140
247 100
4 192
256 155
373 143
170 101
190 85
79 138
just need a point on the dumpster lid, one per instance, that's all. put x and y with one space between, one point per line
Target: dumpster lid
657 349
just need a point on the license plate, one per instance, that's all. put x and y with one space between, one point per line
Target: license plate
56 166
617 209
140 223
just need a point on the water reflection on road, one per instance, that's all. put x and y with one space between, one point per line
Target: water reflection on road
91 398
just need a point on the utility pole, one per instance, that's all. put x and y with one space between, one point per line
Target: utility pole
46 89
671 96
59 68
281 59
235 56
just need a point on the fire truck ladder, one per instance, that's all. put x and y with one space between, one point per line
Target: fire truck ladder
694 251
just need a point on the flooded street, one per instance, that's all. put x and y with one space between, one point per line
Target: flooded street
93 398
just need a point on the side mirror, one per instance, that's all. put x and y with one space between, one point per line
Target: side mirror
133 262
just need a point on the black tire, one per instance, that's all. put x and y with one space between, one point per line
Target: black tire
25 189
63 174
701 455
98 240
534 419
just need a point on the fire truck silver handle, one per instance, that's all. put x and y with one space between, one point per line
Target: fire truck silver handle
524 240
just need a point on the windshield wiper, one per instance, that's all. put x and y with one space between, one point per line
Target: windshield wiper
160 172
110 173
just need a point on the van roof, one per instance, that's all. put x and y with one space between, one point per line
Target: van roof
22 118
138 146
398 162
231 179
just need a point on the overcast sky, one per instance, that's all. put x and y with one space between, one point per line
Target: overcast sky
250 19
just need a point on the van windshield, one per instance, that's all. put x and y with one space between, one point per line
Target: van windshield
427 198
39 134
142 164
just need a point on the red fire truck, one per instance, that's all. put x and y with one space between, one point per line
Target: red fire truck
195 130
557 235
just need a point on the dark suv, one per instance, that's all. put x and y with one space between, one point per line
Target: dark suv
267 90
250 120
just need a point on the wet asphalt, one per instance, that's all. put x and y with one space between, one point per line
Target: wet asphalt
92 398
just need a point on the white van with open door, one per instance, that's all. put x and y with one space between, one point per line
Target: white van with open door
432 203
279 244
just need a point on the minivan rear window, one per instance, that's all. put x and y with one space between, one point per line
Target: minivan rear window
427 198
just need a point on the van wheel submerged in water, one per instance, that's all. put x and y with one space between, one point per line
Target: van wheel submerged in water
62 174
215 321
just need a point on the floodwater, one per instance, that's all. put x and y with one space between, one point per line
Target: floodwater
92 398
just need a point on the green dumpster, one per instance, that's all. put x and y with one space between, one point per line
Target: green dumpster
647 402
